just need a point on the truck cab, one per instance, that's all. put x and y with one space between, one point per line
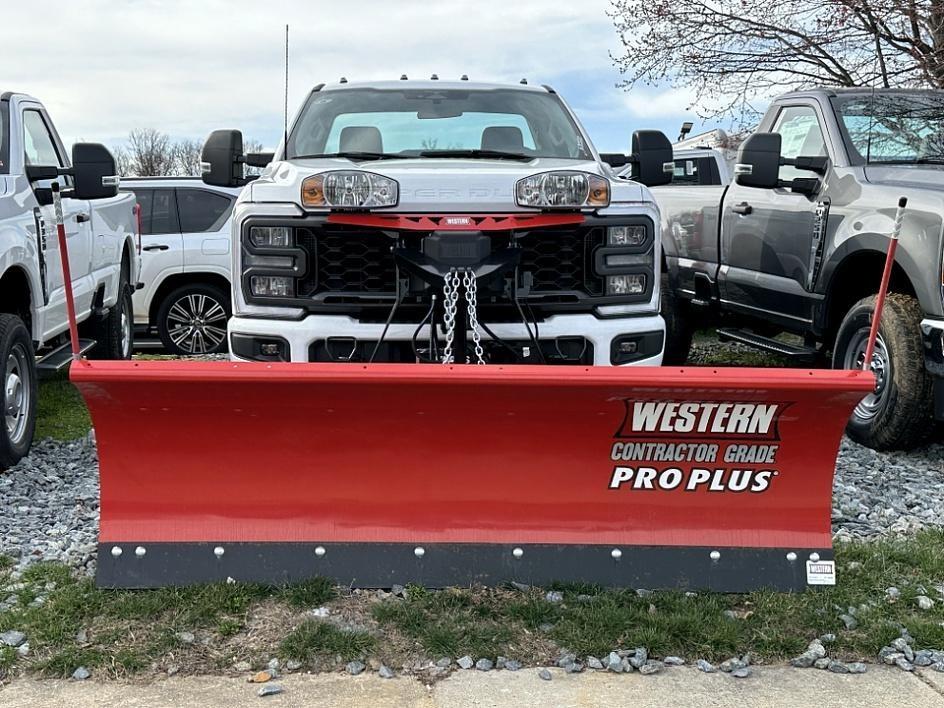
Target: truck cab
101 236
796 244
435 221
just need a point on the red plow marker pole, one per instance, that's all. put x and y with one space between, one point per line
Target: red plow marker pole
883 288
66 271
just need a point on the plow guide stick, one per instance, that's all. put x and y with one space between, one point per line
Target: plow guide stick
450 475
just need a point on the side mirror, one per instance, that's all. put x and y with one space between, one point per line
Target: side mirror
222 159
93 169
652 158
758 163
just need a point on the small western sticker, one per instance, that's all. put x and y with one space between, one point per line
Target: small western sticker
820 572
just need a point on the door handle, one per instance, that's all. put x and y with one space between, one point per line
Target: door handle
82 218
158 247
743 208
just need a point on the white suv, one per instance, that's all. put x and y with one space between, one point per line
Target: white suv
185 234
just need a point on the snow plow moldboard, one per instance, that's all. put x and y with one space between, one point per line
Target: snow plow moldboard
451 475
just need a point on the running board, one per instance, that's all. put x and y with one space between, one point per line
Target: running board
792 351
59 358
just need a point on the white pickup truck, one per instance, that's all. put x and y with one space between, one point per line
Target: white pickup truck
434 221
101 234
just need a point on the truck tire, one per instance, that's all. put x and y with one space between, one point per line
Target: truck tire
899 415
192 320
678 327
17 390
114 333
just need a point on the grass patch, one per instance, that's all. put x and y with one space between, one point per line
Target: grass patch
60 410
450 622
310 593
314 638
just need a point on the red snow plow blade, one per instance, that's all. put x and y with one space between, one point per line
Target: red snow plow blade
451 475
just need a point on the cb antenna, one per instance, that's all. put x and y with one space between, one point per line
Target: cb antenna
285 112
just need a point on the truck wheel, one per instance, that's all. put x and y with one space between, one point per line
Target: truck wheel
678 328
114 333
192 320
899 414
18 392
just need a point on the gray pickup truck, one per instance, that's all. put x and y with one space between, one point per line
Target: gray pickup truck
797 242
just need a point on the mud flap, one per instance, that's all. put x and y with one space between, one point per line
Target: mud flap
450 475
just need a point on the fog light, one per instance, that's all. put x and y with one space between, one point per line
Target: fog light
271 286
626 235
628 284
270 236
270 349
627 347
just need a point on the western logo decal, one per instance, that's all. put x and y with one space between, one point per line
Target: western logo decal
715 446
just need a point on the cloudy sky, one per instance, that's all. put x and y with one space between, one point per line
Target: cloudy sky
104 67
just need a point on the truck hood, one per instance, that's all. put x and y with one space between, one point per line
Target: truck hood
929 177
435 185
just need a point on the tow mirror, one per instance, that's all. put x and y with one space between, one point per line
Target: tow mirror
652 158
222 160
758 163
93 169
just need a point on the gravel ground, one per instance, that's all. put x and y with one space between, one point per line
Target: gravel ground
51 497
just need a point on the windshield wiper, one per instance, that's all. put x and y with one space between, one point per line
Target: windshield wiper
353 155
475 154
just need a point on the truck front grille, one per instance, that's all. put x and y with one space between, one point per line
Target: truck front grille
352 262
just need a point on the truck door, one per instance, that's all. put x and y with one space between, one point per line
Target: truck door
42 148
766 235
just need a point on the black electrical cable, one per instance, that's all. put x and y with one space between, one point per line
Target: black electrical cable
393 311
499 340
416 332
524 319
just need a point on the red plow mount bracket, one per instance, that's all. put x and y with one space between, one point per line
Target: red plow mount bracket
450 475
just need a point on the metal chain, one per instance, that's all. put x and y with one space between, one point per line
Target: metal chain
450 307
471 299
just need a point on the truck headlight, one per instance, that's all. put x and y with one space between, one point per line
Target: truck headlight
626 235
629 284
272 286
563 189
270 236
349 189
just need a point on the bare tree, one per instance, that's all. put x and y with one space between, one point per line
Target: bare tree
151 153
187 157
734 51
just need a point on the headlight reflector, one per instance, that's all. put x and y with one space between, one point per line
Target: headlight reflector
351 189
626 235
629 284
270 236
563 189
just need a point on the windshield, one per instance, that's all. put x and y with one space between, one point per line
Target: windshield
893 128
424 122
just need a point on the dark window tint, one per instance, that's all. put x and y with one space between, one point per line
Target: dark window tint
158 211
201 210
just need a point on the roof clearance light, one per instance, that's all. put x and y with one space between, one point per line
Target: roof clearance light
563 190
349 189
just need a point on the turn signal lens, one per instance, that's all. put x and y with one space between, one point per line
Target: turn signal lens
563 190
349 189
